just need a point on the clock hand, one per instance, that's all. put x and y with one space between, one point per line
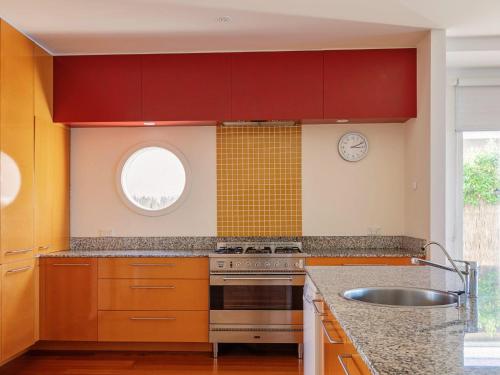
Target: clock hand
358 145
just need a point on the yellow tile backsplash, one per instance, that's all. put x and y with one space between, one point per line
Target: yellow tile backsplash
259 180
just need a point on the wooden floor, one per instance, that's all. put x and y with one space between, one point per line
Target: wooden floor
134 363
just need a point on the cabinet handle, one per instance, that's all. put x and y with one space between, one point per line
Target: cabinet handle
330 339
46 247
70 264
151 318
20 269
20 251
316 310
152 287
152 264
342 358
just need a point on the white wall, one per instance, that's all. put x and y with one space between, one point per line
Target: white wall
417 152
95 204
342 198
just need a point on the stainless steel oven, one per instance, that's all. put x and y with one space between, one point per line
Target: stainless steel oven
256 299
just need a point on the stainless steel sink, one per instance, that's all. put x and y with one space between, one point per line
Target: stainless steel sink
401 296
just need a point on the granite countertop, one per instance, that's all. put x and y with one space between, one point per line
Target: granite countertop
126 253
406 340
368 252
106 253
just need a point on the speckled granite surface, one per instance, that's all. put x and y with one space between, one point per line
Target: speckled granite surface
367 252
395 340
126 253
311 244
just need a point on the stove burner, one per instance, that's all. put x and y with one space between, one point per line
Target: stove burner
254 250
229 250
287 250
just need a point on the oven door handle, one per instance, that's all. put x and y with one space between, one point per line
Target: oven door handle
258 278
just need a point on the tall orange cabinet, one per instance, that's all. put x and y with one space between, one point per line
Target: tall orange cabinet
34 186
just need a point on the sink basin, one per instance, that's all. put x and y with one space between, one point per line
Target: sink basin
401 296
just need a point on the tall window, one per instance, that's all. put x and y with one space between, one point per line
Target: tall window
481 240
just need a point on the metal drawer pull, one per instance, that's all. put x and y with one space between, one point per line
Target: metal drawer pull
70 264
152 287
46 247
20 251
152 264
258 278
330 339
20 269
151 318
343 364
316 310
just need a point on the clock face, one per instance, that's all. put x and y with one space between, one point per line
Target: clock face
353 146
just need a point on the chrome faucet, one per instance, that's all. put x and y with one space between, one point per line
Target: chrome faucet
468 276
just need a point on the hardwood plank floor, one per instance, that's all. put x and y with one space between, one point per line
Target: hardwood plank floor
151 363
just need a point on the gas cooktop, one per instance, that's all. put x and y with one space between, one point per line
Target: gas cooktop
258 248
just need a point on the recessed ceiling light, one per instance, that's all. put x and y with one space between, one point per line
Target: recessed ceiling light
149 123
342 121
224 19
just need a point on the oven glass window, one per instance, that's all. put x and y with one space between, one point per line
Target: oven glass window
256 297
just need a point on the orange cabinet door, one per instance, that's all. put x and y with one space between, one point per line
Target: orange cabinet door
153 268
18 307
17 145
153 326
153 294
68 299
59 186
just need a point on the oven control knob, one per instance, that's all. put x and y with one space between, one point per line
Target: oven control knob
276 265
285 265
238 264
267 264
257 264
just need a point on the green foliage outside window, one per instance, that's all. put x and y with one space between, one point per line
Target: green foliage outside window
482 179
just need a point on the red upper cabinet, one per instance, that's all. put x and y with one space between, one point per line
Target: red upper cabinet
277 85
97 88
370 84
186 87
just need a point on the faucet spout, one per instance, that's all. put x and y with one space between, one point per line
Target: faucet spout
450 259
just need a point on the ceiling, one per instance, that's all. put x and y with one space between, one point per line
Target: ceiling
148 26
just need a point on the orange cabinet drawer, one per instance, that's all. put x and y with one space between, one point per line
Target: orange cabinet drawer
153 326
153 294
339 261
353 364
153 268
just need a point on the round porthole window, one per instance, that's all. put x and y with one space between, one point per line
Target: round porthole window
153 179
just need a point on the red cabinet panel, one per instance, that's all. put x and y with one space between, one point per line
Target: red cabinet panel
277 85
186 87
370 84
97 88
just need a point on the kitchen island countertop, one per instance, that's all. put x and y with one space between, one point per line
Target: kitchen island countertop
409 340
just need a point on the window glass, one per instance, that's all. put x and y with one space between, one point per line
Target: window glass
153 178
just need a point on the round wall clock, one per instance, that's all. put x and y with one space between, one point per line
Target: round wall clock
353 146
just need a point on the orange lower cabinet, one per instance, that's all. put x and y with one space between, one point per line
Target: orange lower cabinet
68 299
153 294
153 326
353 364
335 343
18 307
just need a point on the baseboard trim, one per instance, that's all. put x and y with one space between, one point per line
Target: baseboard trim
124 346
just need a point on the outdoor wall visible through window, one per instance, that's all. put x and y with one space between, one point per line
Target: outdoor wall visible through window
153 180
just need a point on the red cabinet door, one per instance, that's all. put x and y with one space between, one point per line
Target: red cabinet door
277 85
186 87
370 84
97 88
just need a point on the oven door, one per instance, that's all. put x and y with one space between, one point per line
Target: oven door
256 292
